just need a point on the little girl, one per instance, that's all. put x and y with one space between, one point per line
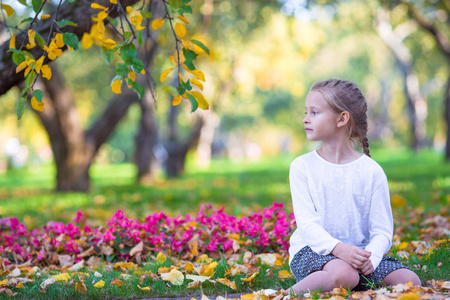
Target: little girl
340 199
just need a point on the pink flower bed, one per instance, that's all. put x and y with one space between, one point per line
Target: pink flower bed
210 231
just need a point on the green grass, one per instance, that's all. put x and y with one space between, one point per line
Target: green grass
423 179
241 187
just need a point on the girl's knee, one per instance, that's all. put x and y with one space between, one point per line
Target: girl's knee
346 277
402 276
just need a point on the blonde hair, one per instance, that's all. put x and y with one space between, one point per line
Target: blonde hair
346 96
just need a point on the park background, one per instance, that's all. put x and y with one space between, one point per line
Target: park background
264 57
92 157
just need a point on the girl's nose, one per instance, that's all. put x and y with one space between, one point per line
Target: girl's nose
305 119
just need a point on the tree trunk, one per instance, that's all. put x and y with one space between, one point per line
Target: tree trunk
73 149
447 119
416 102
146 141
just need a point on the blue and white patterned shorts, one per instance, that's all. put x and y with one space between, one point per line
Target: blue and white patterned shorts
306 261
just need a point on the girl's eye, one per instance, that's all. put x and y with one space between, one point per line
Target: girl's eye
314 112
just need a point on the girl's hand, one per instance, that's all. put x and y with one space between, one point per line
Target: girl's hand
367 268
355 256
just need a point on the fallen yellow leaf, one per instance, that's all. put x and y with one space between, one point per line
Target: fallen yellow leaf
227 282
161 258
189 266
194 284
100 284
409 296
175 277
145 288
250 278
116 282
249 297
208 270
19 285
62 277
4 282
125 265
80 287
283 274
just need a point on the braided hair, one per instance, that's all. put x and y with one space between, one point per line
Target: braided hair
342 96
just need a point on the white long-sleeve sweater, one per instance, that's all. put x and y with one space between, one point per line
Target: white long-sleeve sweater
334 203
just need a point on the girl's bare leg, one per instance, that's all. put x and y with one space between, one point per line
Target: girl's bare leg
401 276
334 273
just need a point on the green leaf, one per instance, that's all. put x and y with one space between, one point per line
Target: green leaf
30 78
38 95
201 45
190 57
139 89
71 40
21 107
187 85
122 70
110 54
71 1
139 38
194 103
24 2
18 57
128 51
63 23
36 5
170 90
40 40
181 89
26 20
137 66
146 14
186 9
127 35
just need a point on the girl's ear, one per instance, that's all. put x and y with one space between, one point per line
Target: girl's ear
344 118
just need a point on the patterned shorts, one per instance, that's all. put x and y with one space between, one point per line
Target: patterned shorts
306 261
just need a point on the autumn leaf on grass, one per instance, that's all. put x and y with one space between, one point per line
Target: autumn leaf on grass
125 265
46 283
175 277
116 282
80 287
4 282
194 284
62 277
250 279
197 278
227 282
268 259
208 270
161 258
249 297
145 288
189 267
100 284
446 285
283 274
409 296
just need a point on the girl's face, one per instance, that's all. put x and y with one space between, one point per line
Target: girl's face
320 119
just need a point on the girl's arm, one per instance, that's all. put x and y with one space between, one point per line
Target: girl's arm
381 225
307 219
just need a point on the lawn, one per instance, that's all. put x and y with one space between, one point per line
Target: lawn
419 184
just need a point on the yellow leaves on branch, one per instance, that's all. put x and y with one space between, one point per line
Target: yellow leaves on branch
116 86
176 100
184 19
157 23
12 42
180 30
8 9
31 39
164 74
53 50
202 102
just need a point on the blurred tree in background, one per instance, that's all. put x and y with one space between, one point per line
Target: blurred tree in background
265 56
